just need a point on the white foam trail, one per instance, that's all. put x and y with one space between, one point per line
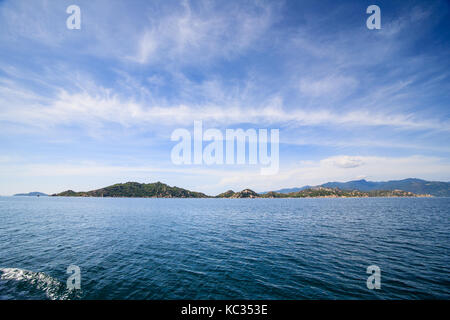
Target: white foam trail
52 288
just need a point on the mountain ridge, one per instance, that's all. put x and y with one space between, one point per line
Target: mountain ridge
414 185
136 190
161 190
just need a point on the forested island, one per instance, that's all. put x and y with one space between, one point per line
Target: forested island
161 190
136 190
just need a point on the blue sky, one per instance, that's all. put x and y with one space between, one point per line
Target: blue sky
82 109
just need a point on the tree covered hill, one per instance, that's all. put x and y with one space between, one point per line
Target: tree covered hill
136 190
161 190
320 192
417 186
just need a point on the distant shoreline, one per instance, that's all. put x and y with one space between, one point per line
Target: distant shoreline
410 187
212 198
262 198
161 190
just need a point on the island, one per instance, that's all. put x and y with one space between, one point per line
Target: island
161 190
31 194
136 190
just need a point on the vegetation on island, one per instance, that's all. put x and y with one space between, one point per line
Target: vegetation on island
161 190
226 194
417 186
246 193
136 190
321 192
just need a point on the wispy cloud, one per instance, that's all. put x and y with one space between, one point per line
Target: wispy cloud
99 105
337 91
215 180
192 35
330 85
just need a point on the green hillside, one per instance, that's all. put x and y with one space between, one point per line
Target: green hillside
136 190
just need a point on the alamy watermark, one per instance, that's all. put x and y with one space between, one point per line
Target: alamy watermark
374 20
190 149
74 280
74 20
374 280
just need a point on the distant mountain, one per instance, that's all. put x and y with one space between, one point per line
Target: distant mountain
136 190
289 190
417 186
359 188
320 192
361 185
323 192
31 194
435 188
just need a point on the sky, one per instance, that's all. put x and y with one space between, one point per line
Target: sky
83 109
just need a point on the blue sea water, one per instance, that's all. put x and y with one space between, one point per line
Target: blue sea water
224 248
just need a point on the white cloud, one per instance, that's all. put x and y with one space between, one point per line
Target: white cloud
97 105
212 180
321 171
330 85
147 46
194 36
344 161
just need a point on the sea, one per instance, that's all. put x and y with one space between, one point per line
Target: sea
161 249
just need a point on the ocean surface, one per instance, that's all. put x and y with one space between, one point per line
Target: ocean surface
224 248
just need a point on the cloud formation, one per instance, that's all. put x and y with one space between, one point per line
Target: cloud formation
344 97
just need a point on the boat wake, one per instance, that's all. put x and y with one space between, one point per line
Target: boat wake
19 284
